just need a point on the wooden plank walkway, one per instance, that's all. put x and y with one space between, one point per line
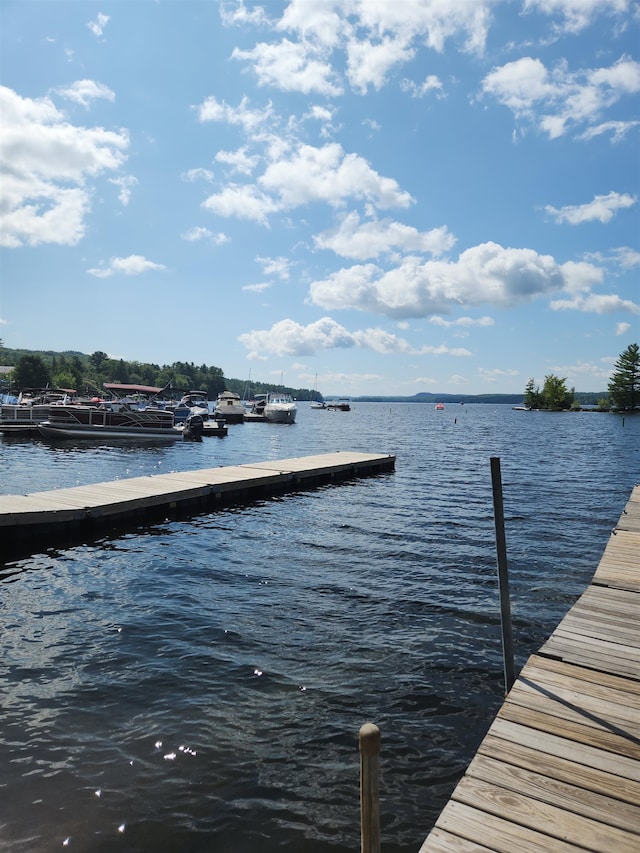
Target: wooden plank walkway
559 769
30 521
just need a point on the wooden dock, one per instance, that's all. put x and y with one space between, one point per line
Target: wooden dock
40 519
559 769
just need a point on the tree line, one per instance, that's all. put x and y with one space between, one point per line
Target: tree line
624 388
86 374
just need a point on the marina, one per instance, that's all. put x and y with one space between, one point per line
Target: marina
196 679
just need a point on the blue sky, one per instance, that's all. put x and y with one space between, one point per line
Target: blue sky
378 197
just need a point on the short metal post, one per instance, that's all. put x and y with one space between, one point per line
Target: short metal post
503 576
369 739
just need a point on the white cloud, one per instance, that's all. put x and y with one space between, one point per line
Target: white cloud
125 184
364 240
465 322
239 160
243 202
556 100
211 109
275 266
622 328
45 195
132 265
484 274
240 15
197 233
603 208
431 83
97 26
594 303
328 174
289 338
577 14
368 64
291 67
193 175
85 91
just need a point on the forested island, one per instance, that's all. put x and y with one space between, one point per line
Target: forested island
87 373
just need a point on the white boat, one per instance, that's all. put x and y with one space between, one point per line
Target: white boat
318 404
229 407
280 409
197 402
274 407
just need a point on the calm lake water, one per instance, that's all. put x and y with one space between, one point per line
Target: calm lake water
197 686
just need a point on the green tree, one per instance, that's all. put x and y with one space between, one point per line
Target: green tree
555 394
97 358
624 386
31 372
532 395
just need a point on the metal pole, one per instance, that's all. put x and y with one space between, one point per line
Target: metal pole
503 576
369 739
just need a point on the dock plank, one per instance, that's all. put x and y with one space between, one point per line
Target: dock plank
559 769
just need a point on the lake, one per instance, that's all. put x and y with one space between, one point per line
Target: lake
199 684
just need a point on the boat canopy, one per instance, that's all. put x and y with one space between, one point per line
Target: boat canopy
132 389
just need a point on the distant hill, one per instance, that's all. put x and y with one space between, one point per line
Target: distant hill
585 397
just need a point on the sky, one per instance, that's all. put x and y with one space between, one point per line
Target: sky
359 196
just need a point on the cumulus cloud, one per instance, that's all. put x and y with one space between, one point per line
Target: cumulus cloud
602 208
622 328
239 160
211 109
556 100
45 194
291 67
364 240
484 274
275 266
289 338
373 38
131 265
304 176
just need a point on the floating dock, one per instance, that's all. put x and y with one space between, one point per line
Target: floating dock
43 518
559 769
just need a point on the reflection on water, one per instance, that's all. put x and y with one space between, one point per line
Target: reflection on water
199 684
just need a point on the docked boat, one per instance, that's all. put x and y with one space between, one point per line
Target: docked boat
275 408
109 421
197 403
341 405
229 408
131 413
280 409
30 408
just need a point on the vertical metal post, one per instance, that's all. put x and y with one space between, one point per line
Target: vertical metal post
369 739
503 576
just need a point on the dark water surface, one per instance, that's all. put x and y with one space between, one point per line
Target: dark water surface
198 685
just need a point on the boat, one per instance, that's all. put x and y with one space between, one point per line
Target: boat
30 408
229 408
280 409
341 405
275 408
522 408
195 403
439 407
318 404
133 415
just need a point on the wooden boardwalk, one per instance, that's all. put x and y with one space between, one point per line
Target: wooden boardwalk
559 769
28 522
